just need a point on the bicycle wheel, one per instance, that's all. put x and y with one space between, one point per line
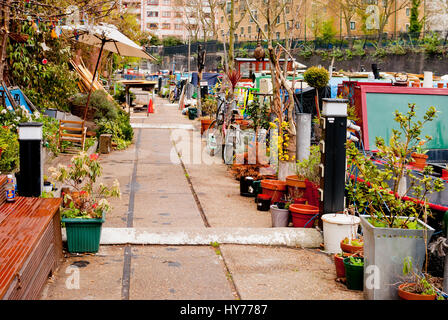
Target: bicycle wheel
229 146
213 137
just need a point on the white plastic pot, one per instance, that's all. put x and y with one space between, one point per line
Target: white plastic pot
337 227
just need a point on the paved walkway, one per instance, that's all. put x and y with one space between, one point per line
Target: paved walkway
161 193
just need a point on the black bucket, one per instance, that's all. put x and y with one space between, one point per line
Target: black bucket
263 202
247 187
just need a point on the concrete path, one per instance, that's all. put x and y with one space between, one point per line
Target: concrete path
169 213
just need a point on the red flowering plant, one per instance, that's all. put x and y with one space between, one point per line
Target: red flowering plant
88 199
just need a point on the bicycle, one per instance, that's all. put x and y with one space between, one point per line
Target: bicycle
224 135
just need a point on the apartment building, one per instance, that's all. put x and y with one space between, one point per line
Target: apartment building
166 17
303 19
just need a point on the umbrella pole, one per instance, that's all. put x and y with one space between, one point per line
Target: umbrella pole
103 42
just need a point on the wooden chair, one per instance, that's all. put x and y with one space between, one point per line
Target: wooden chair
73 131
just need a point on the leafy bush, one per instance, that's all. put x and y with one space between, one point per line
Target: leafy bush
338 54
316 77
120 95
432 45
309 168
104 108
120 129
46 85
9 158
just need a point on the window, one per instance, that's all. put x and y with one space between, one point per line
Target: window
352 25
228 7
152 14
178 14
242 30
178 26
277 34
166 14
287 9
166 2
153 2
277 20
287 25
265 28
222 19
297 25
166 26
254 13
152 26
249 29
407 27
408 12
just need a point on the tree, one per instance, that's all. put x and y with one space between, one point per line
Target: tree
171 41
378 14
437 16
416 24
271 12
346 11
229 13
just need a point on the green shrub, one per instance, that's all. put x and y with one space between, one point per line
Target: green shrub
104 108
120 95
120 129
316 77
9 143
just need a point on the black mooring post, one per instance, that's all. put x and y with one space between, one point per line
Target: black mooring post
333 155
29 181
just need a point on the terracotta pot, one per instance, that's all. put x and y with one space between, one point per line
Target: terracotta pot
339 264
440 85
419 160
296 186
350 249
295 181
274 188
205 123
303 216
413 296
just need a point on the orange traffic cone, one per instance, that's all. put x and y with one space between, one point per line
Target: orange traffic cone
150 106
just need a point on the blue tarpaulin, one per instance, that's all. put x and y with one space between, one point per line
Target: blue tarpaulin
210 77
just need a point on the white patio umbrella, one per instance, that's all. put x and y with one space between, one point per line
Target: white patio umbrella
106 37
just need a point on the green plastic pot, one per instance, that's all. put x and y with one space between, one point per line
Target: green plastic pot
83 235
354 275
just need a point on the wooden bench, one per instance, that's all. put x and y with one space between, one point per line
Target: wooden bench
30 245
73 131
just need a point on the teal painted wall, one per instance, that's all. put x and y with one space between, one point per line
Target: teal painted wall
380 116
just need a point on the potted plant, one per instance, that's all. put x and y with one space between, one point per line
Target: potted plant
339 262
87 205
352 245
415 286
48 186
307 176
280 214
390 217
209 107
354 272
419 156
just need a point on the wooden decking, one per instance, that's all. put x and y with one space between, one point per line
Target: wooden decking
30 246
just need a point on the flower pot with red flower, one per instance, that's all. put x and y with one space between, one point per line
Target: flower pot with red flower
86 204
